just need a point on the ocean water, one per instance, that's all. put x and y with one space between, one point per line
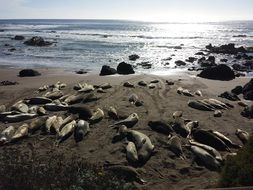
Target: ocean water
89 44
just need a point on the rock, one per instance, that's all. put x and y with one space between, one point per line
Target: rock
133 57
220 72
81 72
230 96
125 69
248 95
28 73
248 112
12 49
191 59
145 65
107 70
37 41
249 65
237 90
226 49
170 83
224 60
199 53
18 37
180 63
7 83
239 67
240 36
207 62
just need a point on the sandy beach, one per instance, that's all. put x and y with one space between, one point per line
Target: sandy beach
163 169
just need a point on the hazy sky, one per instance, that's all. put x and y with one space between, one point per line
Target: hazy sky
148 10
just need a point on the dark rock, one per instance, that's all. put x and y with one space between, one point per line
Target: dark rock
191 59
226 49
239 74
28 73
248 112
81 72
238 56
248 87
239 67
240 36
248 95
12 49
18 37
8 83
207 62
249 64
199 53
230 96
1 30
180 63
125 69
37 41
224 60
133 57
237 90
107 70
7 45
145 65
220 72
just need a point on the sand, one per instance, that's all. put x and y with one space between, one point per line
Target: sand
164 170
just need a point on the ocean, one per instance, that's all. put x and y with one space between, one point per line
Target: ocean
89 44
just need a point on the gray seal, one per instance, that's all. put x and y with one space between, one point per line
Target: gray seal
81 130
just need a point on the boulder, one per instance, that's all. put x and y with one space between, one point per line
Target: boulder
28 73
248 95
133 57
18 37
220 72
107 70
180 63
125 69
237 90
37 41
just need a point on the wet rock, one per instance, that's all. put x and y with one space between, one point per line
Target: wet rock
18 37
12 49
230 96
207 62
199 53
8 83
37 41
239 67
107 70
191 59
220 72
28 73
237 90
133 57
226 49
180 63
125 69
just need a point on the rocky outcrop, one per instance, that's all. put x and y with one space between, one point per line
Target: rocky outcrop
37 41
133 57
107 70
125 69
180 63
226 49
18 37
220 72
28 73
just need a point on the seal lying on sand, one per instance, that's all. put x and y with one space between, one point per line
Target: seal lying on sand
74 99
97 116
131 153
175 146
19 117
20 107
81 130
6 135
39 100
83 111
180 127
66 132
21 132
128 122
128 85
37 124
207 104
208 160
54 95
56 106
242 135
206 137
112 113
161 127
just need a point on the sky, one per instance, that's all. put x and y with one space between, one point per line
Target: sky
142 10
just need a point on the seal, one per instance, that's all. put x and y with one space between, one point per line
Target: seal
81 130
112 113
97 116
19 117
160 126
20 107
91 97
86 88
39 100
74 99
209 149
37 124
54 95
179 127
129 122
83 111
2 108
66 132
105 86
142 83
177 114
152 86
6 135
242 135
43 88
175 146
199 105
131 152
68 120
225 139
21 133
206 137
49 123
55 128
198 93
208 160
56 106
